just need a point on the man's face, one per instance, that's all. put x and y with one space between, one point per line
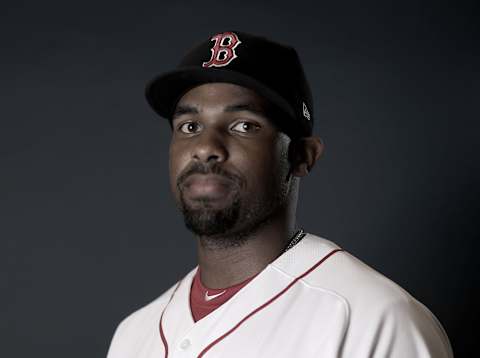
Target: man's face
229 171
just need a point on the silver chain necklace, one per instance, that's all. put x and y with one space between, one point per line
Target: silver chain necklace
296 238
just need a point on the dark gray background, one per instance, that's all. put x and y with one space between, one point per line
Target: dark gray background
89 231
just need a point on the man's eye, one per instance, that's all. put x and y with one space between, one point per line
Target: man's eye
189 127
245 127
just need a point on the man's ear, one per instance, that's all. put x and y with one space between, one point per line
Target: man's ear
303 153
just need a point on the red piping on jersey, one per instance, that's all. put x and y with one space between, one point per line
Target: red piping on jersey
162 335
255 311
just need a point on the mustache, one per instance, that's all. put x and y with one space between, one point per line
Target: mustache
200 168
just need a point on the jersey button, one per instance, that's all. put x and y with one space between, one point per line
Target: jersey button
185 344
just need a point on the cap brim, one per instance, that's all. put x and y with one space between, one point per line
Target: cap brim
164 91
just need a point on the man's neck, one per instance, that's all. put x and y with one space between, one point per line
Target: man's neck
226 266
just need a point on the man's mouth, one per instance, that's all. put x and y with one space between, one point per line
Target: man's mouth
207 186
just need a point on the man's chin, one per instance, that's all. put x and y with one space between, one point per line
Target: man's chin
207 219
204 227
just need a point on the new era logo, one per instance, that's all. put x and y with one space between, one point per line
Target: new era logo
306 113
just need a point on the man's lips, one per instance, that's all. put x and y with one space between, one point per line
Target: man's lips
207 185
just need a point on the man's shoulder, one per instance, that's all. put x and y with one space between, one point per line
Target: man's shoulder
151 309
146 315
143 322
347 276
372 301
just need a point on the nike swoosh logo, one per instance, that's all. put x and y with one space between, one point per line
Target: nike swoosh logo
209 298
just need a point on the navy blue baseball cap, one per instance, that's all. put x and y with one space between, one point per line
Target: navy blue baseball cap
272 70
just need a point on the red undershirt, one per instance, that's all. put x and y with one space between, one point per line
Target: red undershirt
205 300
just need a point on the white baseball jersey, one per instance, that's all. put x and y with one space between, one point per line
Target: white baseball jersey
315 300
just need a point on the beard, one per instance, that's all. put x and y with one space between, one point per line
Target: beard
232 224
206 220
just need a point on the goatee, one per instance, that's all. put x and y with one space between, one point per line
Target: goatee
209 221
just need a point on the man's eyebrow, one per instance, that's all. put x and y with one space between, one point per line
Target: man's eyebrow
245 107
184 109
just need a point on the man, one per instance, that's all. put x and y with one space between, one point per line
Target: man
241 114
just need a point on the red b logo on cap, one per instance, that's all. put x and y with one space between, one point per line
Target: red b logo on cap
223 51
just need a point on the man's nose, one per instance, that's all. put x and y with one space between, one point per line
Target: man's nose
210 145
